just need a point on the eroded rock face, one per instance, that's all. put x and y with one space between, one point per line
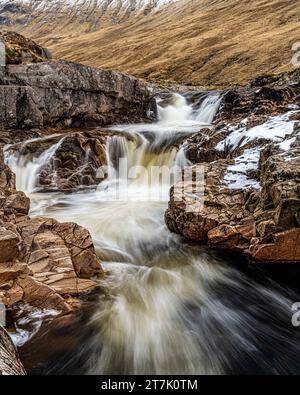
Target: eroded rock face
10 363
63 93
249 201
42 261
202 207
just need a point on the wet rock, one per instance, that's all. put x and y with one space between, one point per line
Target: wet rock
42 261
71 161
62 93
10 363
75 163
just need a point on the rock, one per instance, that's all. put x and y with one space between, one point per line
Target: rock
242 102
42 261
11 271
48 261
10 363
284 247
206 204
233 238
62 93
9 249
261 224
250 200
60 255
201 146
16 203
41 295
73 164
21 50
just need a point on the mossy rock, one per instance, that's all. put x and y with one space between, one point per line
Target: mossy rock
21 50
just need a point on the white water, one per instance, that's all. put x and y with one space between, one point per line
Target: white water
172 308
28 167
180 112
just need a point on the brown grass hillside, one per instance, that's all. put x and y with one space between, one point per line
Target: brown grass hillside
200 42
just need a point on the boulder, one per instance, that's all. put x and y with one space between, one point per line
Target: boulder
197 207
263 224
61 255
62 93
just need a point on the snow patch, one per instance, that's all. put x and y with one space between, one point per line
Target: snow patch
274 129
286 144
236 174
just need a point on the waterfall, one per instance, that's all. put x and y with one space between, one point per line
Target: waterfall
208 108
179 110
166 306
27 167
140 144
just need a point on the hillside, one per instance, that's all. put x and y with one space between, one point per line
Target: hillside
201 42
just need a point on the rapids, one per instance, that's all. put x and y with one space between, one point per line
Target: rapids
166 306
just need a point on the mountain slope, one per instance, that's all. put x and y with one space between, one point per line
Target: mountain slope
92 14
201 42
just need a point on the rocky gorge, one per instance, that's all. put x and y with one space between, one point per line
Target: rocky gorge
60 125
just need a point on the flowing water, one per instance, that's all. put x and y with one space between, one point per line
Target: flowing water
166 306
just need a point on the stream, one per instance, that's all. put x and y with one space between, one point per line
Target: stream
166 306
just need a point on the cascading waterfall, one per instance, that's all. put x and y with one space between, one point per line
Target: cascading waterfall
179 111
208 109
169 307
28 167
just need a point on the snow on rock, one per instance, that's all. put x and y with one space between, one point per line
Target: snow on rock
236 176
274 129
286 144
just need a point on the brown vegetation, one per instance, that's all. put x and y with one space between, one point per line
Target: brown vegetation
200 42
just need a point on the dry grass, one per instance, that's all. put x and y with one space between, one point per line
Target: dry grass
201 42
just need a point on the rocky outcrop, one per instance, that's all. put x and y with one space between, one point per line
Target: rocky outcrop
245 193
67 161
62 93
42 262
10 363
21 50
256 102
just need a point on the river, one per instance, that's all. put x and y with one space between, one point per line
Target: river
166 306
